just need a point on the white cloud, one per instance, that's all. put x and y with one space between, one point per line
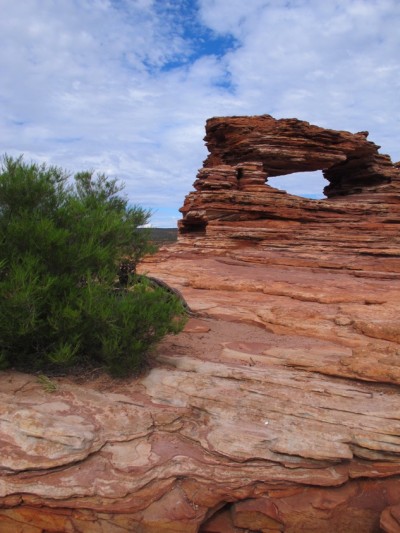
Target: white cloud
333 62
125 86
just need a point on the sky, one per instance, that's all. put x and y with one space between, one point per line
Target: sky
124 87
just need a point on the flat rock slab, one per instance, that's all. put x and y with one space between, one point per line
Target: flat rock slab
274 399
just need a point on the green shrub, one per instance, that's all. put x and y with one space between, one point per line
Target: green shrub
62 244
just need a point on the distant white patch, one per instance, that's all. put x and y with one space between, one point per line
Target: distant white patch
305 184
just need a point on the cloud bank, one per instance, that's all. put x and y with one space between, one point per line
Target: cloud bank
125 86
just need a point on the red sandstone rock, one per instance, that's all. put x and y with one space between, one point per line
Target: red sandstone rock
262 147
277 409
390 519
234 206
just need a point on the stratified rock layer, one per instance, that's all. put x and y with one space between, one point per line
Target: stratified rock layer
233 202
349 161
277 409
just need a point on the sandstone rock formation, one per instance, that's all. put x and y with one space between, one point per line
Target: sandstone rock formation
351 164
233 202
277 409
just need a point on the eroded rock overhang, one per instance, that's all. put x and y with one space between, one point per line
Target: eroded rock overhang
233 200
349 161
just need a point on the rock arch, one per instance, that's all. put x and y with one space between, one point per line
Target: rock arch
350 162
234 204
233 200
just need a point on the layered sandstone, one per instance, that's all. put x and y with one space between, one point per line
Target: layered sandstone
350 162
277 409
233 203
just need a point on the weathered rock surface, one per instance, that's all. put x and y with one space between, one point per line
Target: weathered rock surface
350 162
233 203
277 409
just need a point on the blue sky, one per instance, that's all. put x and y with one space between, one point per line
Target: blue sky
124 87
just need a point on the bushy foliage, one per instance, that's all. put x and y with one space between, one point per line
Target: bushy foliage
62 242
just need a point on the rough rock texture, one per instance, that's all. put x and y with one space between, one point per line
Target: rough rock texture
277 409
350 163
234 203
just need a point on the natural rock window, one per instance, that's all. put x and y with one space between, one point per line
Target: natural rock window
305 184
252 161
